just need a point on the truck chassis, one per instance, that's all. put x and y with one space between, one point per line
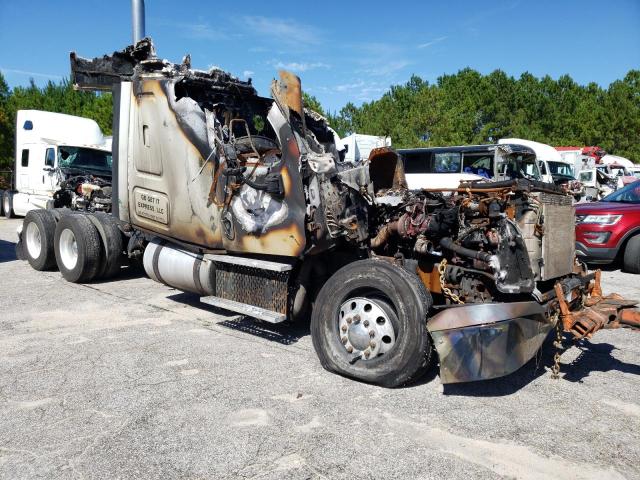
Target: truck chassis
247 202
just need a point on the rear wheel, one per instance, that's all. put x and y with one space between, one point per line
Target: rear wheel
38 231
1 202
77 248
111 246
369 322
7 204
631 260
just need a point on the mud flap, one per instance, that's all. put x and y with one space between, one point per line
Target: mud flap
480 342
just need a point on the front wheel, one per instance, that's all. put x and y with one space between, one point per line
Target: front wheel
631 259
369 322
7 204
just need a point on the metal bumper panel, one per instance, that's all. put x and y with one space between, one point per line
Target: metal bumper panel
480 342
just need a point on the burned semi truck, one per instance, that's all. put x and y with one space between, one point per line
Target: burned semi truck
249 203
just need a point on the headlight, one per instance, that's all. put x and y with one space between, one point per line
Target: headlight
599 219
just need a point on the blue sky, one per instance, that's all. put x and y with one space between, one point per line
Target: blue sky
342 51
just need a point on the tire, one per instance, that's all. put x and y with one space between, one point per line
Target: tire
77 232
20 255
111 246
38 231
631 260
7 204
396 299
1 202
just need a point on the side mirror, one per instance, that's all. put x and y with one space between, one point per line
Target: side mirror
48 169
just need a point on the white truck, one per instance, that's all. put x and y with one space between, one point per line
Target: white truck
358 146
553 167
61 161
446 167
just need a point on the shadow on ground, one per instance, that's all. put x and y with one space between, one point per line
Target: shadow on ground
593 357
7 251
609 267
282 333
126 272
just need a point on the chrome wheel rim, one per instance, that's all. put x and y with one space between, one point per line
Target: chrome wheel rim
34 240
365 328
68 247
6 204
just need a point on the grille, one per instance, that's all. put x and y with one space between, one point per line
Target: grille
552 199
558 242
254 286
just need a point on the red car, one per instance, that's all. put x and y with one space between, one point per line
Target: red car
609 230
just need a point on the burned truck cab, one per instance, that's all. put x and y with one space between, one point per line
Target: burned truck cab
248 202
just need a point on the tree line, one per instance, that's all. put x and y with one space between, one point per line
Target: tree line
458 109
470 108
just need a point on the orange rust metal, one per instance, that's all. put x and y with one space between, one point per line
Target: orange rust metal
597 288
511 212
386 170
630 318
428 273
289 92
598 311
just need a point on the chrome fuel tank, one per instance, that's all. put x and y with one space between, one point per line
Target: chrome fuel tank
165 263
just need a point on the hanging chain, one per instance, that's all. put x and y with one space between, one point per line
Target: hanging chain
446 290
555 369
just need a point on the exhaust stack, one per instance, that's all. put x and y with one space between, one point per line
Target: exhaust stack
137 18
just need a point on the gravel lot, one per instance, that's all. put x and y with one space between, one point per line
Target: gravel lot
131 379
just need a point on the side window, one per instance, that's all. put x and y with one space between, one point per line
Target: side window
25 157
448 162
478 164
416 162
50 157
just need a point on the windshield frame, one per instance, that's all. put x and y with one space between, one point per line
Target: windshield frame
64 164
555 167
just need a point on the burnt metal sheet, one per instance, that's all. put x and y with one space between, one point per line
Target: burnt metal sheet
480 342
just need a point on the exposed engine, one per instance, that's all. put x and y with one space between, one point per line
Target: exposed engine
84 192
493 237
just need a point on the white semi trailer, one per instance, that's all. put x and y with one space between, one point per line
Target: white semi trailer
54 154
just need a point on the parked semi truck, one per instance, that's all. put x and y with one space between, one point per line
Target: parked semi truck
553 167
60 161
446 167
247 202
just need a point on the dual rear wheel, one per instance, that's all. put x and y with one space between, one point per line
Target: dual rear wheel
74 244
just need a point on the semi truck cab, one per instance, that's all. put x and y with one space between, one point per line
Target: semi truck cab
50 149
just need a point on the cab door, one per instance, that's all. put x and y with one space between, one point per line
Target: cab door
41 168
50 176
